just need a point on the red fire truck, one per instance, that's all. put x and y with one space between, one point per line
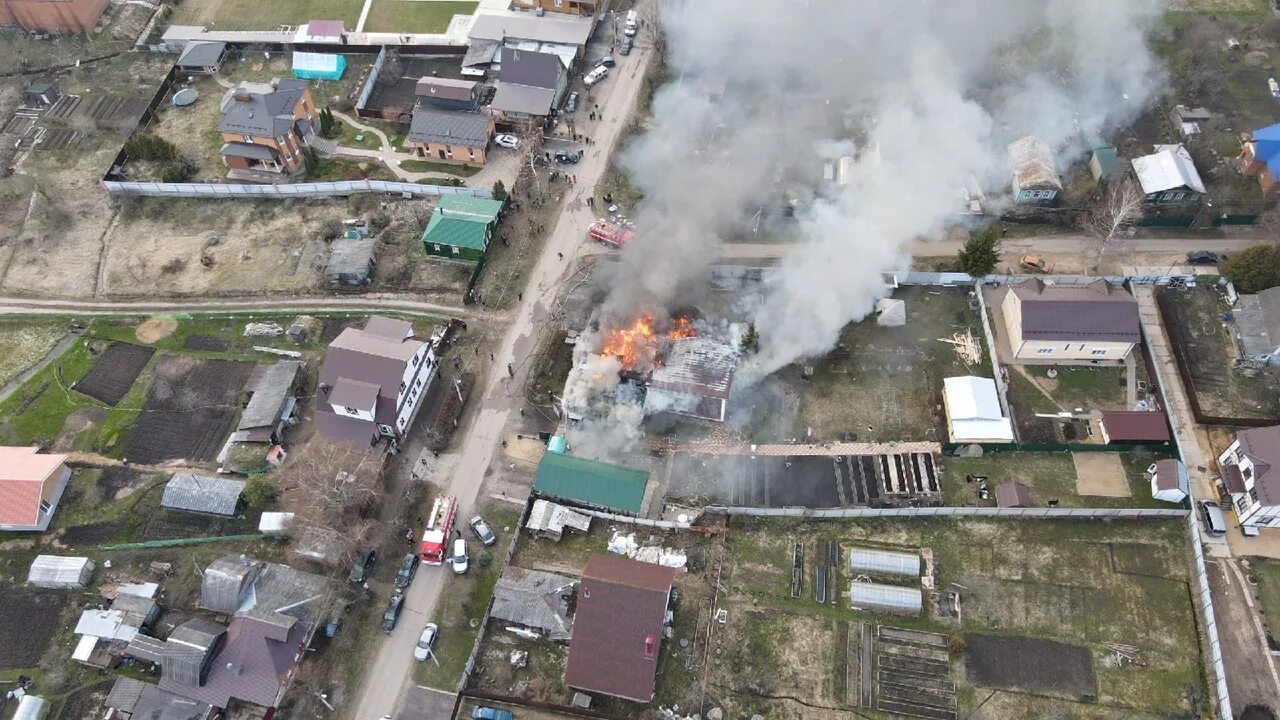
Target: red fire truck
435 540
604 232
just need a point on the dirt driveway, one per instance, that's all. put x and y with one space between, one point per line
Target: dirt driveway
1100 474
1252 678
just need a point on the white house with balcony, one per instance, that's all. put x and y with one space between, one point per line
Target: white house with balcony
1250 470
372 382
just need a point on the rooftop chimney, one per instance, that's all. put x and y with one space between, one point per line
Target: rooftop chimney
650 646
242 96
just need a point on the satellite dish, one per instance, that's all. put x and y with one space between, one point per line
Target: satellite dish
185 97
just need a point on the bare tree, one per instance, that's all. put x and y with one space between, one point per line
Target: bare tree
1121 205
1270 219
332 493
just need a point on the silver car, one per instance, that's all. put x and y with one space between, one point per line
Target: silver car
426 641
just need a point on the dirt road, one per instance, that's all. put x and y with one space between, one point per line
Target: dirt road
392 667
373 302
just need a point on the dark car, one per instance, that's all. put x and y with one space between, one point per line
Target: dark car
625 47
364 561
408 568
335 617
483 531
568 157
1202 257
606 61
488 713
392 613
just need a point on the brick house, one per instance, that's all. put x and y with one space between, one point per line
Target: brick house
265 127
1260 157
1250 470
450 137
577 7
439 93
1070 324
52 16
31 485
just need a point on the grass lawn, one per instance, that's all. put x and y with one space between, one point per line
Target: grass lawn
1089 388
330 169
25 342
447 168
414 16
258 15
37 411
1048 475
1267 575
367 140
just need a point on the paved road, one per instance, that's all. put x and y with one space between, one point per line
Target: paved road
1064 244
165 306
391 669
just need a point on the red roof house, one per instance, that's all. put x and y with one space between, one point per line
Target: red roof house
617 630
31 485
1129 426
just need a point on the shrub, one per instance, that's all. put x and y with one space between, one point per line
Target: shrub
499 191
1253 270
175 265
981 252
259 492
151 148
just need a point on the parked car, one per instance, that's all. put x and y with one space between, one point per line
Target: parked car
571 103
335 616
1035 263
364 561
460 560
408 568
625 47
1202 257
426 641
392 613
606 61
483 531
632 24
488 713
595 76
507 141
567 157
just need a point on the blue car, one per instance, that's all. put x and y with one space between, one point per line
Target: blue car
488 713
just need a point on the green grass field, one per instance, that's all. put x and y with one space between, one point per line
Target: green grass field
446 168
1047 475
415 16
258 15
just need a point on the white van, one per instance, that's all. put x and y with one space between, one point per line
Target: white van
1214 522
460 560
632 24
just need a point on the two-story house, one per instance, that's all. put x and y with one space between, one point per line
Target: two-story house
1250 470
1035 177
1091 323
1260 157
372 382
529 85
265 127
439 93
577 7
1169 176
31 485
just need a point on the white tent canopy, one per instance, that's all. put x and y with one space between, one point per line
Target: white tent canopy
973 410
56 571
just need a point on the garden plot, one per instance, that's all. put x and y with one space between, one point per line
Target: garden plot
1029 664
28 621
114 373
191 406
24 343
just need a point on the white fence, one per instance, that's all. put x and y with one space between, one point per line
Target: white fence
994 512
291 190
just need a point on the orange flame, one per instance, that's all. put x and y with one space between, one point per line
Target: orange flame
637 344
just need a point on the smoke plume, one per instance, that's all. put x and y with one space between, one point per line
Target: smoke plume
924 93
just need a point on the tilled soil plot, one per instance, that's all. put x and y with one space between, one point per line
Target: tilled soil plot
27 622
1029 664
191 406
86 702
115 372
206 342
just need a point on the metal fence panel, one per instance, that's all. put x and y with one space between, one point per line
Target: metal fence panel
367 90
312 189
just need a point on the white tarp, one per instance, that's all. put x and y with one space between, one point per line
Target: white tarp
974 410
890 312
57 571
84 648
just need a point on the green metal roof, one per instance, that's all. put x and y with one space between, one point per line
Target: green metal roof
1106 160
461 221
591 482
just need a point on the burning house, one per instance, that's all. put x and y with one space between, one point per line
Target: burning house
651 367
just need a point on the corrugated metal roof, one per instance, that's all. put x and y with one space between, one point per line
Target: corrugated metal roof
124 694
886 598
549 518
224 583
56 571
1098 311
145 647
1172 474
468 129
508 24
698 366
1267 148
187 651
201 54
1135 426
271 385
1033 165
1169 168
1013 495
884 562
591 482
203 494
523 99
534 599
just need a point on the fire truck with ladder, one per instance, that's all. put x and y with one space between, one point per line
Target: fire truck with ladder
435 540
606 233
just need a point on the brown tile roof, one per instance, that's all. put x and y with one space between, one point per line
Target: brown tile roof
1099 312
1170 475
1013 495
1262 446
617 630
376 355
1232 478
446 88
1135 426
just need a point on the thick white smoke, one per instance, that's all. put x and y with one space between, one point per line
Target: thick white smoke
931 91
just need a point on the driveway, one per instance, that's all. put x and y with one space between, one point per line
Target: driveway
390 670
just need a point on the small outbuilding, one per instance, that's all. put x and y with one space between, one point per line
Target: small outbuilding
891 312
202 57
869 561
1103 163
203 494
1013 495
973 411
351 260
461 227
1135 426
1169 175
275 523
1170 481
891 599
549 520
318 66
535 600
60 572
31 707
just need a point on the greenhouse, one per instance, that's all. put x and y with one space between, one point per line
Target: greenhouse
318 66
892 599
866 561
56 571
